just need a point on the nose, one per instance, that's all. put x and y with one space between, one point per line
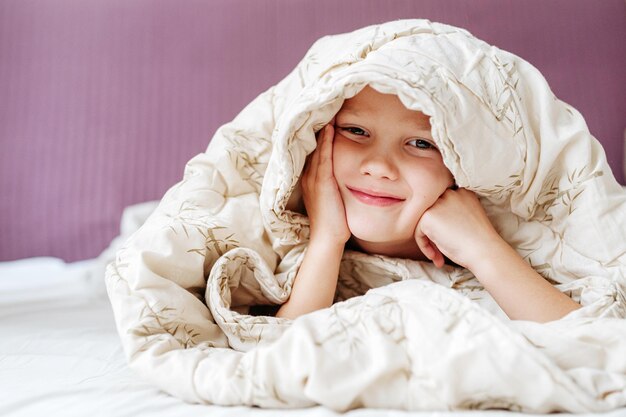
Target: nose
378 163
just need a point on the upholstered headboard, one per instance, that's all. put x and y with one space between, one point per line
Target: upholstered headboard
102 102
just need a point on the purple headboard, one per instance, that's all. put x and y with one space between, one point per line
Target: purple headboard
102 102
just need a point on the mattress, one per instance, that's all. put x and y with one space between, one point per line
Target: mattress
60 354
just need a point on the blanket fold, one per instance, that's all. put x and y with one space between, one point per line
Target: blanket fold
402 334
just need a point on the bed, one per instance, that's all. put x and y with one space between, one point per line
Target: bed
76 75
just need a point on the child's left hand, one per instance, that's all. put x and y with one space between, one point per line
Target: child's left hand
458 227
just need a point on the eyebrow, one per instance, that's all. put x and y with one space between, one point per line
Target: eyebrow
351 111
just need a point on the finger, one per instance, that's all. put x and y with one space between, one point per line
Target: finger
306 170
313 161
316 160
423 243
326 153
429 249
437 259
435 254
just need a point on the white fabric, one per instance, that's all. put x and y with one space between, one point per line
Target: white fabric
229 236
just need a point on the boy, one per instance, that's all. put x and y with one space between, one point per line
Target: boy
378 182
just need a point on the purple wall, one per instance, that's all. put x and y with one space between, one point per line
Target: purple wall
102 102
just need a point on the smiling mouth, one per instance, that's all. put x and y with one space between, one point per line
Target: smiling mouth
374 199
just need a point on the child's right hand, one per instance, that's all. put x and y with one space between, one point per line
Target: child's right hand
322 199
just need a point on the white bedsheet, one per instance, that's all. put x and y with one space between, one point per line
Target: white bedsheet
60 354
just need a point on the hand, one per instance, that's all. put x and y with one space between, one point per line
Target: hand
458 227
322 199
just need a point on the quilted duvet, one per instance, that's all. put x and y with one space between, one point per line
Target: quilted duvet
401 333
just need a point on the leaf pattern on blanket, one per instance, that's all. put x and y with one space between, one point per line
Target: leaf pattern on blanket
345 326
248 152
158 318
239 273
500 190
356 277
500 94
562 191
191 218
487 403
220 246
250 166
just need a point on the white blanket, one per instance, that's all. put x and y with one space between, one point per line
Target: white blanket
402 334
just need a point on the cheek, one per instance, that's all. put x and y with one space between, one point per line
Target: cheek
428 182
341 161
445 173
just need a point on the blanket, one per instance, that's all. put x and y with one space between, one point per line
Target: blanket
403 334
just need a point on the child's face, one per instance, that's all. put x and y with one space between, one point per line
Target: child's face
387 167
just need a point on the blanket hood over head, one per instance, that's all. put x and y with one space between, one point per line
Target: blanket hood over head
232 234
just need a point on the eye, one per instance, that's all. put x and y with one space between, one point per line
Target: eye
357 131
421 144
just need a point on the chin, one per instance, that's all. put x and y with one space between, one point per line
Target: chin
369 237
363 230
373 233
